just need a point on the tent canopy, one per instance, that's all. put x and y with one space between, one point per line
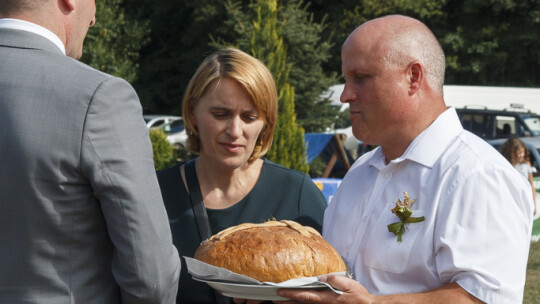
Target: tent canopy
330 148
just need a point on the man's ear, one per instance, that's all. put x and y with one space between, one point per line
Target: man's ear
69 4
416 77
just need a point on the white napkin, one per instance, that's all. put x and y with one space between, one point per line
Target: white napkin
209 272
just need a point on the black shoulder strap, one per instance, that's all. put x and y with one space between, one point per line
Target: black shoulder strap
203 224
201 217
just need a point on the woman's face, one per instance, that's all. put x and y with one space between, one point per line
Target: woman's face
228 124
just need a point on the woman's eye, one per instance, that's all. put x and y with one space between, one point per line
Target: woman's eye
219 115
250 118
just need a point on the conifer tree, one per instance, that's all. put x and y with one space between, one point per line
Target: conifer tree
306 48
113 44
266 44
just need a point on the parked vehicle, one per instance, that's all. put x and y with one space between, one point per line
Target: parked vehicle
153 121
489 112
176 132
493 124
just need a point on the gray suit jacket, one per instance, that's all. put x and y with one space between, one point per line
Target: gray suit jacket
81 214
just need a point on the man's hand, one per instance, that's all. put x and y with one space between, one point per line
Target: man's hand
353 292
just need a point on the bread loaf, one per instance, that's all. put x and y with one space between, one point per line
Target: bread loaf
271 252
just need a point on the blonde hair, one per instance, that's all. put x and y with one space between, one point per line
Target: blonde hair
252 75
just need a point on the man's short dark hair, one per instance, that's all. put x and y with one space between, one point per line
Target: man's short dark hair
8 7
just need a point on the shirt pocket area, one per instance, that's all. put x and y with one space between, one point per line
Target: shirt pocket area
382 250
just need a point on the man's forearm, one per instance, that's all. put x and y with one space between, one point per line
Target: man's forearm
449 293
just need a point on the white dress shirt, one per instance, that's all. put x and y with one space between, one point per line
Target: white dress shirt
22 25
478 217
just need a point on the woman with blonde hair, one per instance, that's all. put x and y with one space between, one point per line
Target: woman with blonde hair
516 152
230 111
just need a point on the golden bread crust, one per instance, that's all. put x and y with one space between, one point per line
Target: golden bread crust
271 252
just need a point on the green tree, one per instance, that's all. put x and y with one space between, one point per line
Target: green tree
491 43
179 42
266 44
306 53
486 42
185 32
343 16
163 151
113 44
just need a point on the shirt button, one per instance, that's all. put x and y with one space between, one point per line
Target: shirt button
364 218
386 175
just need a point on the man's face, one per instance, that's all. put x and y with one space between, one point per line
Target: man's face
372 91
84 16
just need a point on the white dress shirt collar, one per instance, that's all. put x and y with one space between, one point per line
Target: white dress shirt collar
446 126
17 24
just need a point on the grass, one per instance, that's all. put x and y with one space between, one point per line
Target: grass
532 285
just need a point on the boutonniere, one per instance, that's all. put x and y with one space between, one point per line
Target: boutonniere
403 211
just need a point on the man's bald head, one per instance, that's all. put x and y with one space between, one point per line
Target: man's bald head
400 40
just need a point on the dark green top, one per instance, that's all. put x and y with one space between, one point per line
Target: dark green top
281 193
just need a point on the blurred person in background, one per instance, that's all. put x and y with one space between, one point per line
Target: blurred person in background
517 153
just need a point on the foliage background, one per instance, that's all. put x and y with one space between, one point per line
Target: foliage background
266 44
157 45
532 285
114 43
163 152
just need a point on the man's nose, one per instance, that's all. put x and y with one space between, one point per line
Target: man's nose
347 95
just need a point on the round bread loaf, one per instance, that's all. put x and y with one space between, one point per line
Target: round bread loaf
271 252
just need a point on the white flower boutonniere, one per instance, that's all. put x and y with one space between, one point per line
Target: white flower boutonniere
403 211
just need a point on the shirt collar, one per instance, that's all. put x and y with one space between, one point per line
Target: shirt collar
17 24
429 145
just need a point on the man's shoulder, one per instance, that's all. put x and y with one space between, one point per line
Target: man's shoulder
88 79
470 154
83 69
470 144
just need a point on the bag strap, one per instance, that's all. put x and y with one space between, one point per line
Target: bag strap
195 196
201 217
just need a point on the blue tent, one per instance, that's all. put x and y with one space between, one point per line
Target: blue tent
330 148
316 142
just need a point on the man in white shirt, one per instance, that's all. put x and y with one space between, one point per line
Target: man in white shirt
467 239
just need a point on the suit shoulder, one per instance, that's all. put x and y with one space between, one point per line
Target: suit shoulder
86 70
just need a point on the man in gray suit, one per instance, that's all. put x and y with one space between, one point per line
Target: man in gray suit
81 214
